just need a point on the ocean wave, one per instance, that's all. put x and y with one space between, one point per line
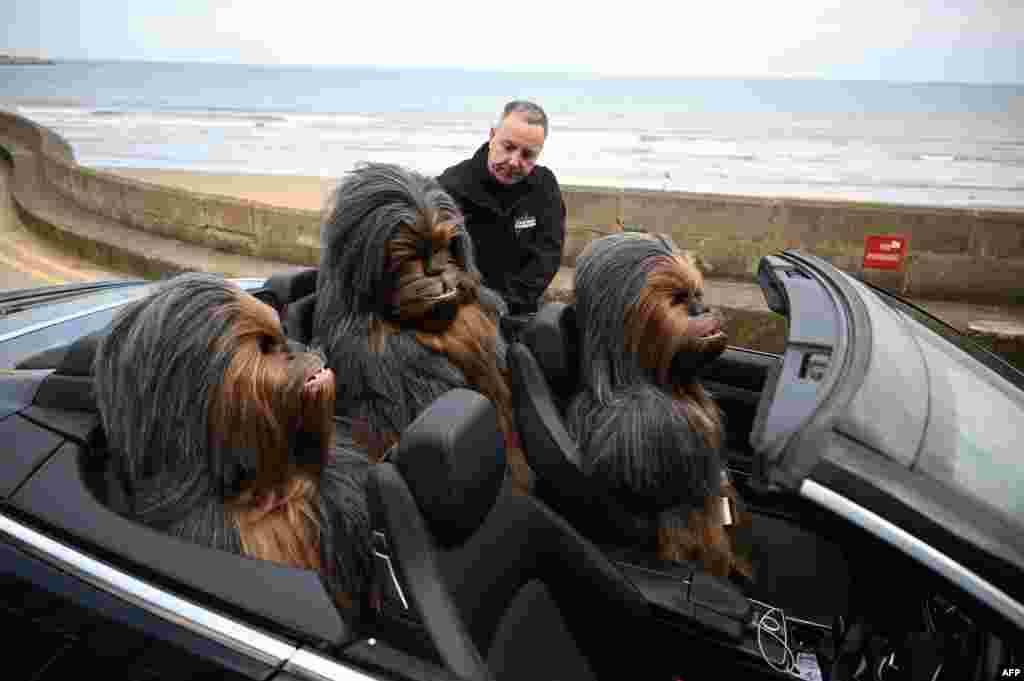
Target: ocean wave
897 185
153 116
217 110
41 114
206 115
48 102
1012 160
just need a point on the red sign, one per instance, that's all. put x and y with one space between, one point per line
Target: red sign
884 252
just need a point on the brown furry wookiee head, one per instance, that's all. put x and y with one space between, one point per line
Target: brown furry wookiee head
219 432
668 328
427 285
397 277
673 335
646 425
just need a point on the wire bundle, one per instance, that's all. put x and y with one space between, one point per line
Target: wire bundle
776 629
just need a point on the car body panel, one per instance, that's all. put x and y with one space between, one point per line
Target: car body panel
867 433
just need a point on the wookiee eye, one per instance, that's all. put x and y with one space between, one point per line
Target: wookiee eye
681 298
267 344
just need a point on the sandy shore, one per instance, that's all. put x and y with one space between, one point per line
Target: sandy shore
289 191
311 192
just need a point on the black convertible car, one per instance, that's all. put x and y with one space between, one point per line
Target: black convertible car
881 457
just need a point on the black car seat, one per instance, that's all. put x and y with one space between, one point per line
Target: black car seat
544 377
290 285
298 321
295 294
468 552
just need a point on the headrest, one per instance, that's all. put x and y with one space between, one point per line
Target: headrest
554 456
452 457
553 339
77 361
291 285
70 386
299 318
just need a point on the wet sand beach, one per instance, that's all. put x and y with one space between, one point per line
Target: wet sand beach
289 191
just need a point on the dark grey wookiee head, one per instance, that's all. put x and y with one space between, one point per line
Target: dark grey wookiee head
639 302
199 395
393 249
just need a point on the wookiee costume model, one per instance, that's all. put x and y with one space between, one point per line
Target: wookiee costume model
644 424
220 436
400 310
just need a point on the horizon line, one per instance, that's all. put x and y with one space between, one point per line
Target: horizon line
523 71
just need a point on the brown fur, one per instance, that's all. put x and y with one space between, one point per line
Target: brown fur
657 329
701 535
468 339
258 407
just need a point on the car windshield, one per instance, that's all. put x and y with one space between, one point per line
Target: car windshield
976 420
34 322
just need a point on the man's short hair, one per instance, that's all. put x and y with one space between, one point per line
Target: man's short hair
534 113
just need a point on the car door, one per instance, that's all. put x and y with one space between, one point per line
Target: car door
57 625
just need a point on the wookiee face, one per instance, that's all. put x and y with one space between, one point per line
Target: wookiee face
669 328
272 401
196 386
429 283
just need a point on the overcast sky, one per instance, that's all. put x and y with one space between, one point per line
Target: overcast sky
924 40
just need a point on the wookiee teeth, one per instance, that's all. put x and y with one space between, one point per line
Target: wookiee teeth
317 375
447 295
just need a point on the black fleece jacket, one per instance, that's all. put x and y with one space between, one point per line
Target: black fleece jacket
518 230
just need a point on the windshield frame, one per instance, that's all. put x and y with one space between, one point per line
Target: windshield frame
950 333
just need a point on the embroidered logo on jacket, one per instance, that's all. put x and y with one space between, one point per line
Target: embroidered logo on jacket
525 222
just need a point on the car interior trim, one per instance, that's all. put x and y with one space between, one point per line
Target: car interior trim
306 664
247 283
813 358
230 633
32 328
789 464
938 562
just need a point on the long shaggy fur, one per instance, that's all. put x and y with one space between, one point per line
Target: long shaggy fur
220 436
644 424
401 313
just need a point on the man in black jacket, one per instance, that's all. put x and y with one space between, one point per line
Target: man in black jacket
513 207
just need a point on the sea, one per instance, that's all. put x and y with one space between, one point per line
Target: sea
945 144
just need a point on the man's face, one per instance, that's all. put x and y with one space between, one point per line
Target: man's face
514 149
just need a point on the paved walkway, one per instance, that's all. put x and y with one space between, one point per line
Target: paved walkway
114 247
28 260
108 243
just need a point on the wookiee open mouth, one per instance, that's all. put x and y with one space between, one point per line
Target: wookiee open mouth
319 378
440 298
707 327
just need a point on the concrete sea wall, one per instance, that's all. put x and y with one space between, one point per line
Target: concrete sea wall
953 253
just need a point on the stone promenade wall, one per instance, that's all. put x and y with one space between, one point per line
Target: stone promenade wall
954 254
